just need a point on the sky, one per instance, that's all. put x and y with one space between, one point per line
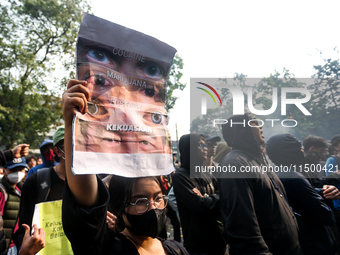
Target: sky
217 39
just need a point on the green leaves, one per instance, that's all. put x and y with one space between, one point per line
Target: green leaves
173 82
35 35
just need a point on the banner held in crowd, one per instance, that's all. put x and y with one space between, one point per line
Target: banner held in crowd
125 128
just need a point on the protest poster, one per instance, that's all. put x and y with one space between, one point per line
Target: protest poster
125 129
47 215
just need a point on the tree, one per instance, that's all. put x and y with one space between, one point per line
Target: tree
37 44
173 82
326 97
35 35
284 80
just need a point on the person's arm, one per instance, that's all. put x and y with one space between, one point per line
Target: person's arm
5 156
19 151
84 188
330 192
184 192
32 244
306 195
85 197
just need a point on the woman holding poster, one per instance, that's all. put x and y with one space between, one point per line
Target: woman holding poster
138 203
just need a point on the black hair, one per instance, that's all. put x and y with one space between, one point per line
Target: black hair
285 150
331 150
59 145
46 145
120 189
30 157
313 140
335 141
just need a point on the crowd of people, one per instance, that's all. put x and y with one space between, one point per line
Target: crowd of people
243 195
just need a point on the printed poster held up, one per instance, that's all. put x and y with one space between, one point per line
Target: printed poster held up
125 131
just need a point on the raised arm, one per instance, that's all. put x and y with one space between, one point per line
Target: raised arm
83 187
19 151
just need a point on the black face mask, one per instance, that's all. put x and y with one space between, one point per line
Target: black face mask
147 224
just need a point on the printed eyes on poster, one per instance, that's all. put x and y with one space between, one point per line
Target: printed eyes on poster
125 130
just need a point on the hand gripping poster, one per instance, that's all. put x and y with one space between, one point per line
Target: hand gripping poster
125 131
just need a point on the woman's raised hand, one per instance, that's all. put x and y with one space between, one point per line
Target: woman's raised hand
75 99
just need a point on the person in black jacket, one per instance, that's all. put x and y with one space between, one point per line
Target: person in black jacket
315 236
197 199
37 183
256 215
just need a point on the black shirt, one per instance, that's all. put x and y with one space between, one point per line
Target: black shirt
315 236
29 198
87 230
198 214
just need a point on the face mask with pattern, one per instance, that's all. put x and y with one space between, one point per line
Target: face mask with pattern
49 155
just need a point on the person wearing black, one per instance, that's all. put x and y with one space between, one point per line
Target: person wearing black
138 203
256 215
316 150
316 237
211 145
197 199
36 184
